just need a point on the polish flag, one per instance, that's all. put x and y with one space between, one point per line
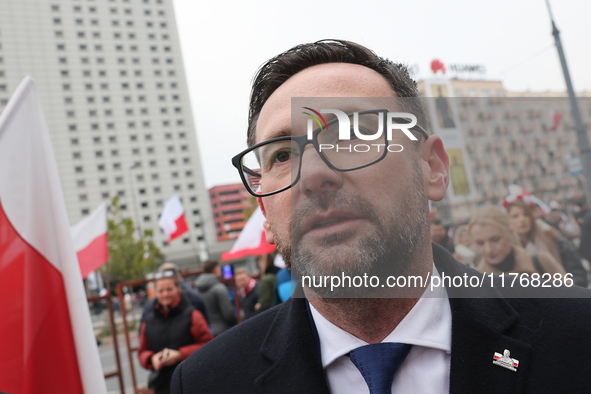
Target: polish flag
172 220
90 241
251 241
46 337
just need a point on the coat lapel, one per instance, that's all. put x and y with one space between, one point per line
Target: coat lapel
481 326
291 351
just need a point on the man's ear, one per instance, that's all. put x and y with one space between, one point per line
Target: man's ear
436 170
266 225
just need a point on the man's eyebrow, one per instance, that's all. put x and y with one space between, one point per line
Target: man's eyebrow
277 134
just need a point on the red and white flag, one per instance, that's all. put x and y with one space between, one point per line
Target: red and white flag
90 241
517 192
172 220
251 241
46 337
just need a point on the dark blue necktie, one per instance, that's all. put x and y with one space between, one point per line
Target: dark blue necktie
378 363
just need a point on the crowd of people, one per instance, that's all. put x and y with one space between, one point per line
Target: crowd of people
522 238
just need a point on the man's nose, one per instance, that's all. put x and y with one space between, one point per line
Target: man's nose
316 176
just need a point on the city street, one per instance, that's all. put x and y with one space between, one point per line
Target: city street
107 354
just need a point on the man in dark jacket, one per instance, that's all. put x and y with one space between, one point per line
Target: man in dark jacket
215 296
340 215
191 294
439 236
248 290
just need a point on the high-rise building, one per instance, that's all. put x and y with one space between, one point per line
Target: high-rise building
522 138
228 204
113 88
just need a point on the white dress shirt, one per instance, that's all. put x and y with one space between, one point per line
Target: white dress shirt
426 369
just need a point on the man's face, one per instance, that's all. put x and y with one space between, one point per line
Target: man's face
242 279
437 232
363 221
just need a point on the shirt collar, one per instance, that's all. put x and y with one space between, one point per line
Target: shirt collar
428 324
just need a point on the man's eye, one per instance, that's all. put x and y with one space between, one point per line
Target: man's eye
281 156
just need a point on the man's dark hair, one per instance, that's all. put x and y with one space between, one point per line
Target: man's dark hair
209 266
279 69
436 222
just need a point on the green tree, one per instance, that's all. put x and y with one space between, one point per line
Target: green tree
130 258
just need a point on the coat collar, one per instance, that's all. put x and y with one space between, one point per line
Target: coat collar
479 329
290 347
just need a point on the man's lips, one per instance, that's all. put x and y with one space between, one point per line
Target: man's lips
330 220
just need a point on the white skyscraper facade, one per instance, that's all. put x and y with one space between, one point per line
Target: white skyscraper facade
113 88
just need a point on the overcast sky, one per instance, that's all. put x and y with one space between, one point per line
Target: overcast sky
224 43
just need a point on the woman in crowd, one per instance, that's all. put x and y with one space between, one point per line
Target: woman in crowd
537 238
170 333
501 253
463 248
533 238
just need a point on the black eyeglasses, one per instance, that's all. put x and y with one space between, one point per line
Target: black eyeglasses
164 274
275 165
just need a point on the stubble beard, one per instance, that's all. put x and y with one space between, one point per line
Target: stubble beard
389 250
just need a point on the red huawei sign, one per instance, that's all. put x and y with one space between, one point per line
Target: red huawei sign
436 65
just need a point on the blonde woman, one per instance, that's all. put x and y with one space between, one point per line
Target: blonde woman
501 253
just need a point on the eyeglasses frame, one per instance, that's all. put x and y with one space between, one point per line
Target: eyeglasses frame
302 141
